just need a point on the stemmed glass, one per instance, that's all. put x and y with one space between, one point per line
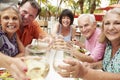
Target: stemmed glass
60 55
62 50
37 60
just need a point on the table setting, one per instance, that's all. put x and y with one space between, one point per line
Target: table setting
45 67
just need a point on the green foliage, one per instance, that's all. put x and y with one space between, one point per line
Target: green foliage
87 6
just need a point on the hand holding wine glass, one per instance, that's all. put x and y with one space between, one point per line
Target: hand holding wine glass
60 55
37 60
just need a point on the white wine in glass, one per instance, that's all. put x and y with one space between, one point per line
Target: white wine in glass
38 68
59 56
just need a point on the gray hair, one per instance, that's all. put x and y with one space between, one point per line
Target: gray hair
10 6
91 17
4 5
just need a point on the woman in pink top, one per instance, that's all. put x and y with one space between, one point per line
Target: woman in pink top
87 25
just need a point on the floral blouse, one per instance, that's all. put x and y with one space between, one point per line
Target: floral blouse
8 46
111 64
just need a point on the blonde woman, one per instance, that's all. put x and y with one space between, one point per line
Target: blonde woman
10 21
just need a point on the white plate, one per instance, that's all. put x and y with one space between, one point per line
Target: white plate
35 49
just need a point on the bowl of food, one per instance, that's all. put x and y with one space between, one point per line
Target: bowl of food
37 49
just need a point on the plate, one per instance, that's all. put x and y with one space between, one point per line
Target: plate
5 75
35 49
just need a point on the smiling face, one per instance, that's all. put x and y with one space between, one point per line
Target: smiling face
112 27
66 21
9 21
28 13
87 27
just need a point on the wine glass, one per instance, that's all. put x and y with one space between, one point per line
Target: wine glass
37 60
38 68
60 55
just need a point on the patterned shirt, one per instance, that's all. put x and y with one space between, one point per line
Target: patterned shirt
111 64
8 46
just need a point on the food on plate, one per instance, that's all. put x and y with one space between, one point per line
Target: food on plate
5 75
82 50
31 49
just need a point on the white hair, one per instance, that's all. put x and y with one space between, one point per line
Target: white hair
89 16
